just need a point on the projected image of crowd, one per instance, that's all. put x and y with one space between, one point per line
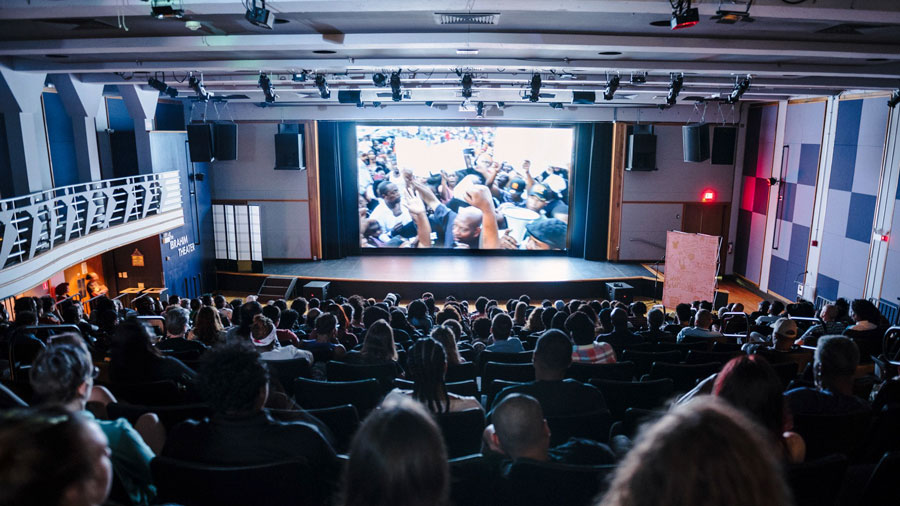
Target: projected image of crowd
464 187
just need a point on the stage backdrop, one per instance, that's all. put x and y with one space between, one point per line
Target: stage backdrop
691 264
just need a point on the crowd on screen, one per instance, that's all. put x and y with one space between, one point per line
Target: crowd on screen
725 441
466 207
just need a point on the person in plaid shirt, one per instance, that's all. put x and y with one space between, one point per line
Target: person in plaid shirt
586 350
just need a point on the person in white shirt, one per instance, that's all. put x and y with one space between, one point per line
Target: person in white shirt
701 328
265 338
389 213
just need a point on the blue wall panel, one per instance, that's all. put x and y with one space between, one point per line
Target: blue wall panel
61 140
170 116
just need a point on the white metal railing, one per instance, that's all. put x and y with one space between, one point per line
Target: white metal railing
35 223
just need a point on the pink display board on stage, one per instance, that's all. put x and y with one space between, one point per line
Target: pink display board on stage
691 264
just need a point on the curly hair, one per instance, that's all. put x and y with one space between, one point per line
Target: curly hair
231 377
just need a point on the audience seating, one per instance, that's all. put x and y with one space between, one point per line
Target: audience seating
817 482
521 373
621 395
884 436
493 388
705 357
461 372
593 425
472 480
786 371
9 399
151 393
169 416
467 388
462 431
468 354
620 371
157 323
342 421
828 434
881 490
685 376
190 484
342 371
643 360
486 356
364 395
20 388
632 421
530 483
684 348
720 346
284 372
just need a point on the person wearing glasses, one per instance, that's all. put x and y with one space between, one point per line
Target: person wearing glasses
63 375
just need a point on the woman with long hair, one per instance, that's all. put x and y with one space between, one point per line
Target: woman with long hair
208 327
378 347
444 335
133 359
426 363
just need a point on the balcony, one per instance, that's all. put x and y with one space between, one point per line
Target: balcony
45 232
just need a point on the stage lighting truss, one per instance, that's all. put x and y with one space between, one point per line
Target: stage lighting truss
196 84
267 88
259 16
466 83
322 85
301 77
895 99
612 84
162 87
676 83
396 93
741 85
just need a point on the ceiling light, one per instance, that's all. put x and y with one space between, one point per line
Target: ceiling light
466 83
379 80
260 16
267 88
741 85
161 9
322 84
396 94
196 84
162 87
676 82
467 52
535 88
193 25
301 77
479 110
683 15
639 78
612 84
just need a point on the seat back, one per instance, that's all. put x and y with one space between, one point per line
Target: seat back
472 480
169 416
364 395
817 482
462 431
828 434
9 399
191 484
881 488
486 356
621 371
342 371
719 346
493 388
621 395
786 372
684 348
643 360
284 372
632 421
151 393
342 421
461 372
507 372
531 483
466 388
705 357
593 425
685 376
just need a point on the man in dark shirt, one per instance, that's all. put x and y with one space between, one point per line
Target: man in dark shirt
683 313
235 383
558 396
835 363
654 332
177 324
620 336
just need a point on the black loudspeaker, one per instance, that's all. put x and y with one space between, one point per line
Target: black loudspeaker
200 142
695 142
317 289
724 138
622 292
349 97
225 140
641 152
289 151
720 299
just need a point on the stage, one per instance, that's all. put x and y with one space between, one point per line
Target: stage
461 276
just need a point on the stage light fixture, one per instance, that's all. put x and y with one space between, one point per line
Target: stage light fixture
196 84
260 16
556 105
267 88
379 80
683 15
895 99
676 82
322 84
612 84
396 94
535 88
302 77
162 87
479 110
639 78
466 83
741 85
161 9
731 14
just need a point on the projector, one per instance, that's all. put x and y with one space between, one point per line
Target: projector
261 17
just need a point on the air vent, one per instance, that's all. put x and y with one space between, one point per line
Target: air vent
851 29
466 18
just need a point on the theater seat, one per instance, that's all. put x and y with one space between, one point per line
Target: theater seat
620 371
828 434
621 395
683 348
342 371
342 421
151 393
169 416
284 372
466 388
817 482
531 483
593 425
881 490
705 357
462 431
364 395
643 360
685 376
520 373
461 372
486 356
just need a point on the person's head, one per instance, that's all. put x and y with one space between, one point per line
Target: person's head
547 316
835 363
481 329
638 309
538 197
580 328
545 234
519 310
721 456
233 380
619 318
829 313
776 308
379 341
397 458
520 428
314 303
63 374
417 309
326 326
247 312
703 320
445 335
480 304
683 312
61 289
288 319
467 224
656 318
750 384
605 317
501 327
559 321
390 193
272 312
299 305
207 325
862 310
552 355
177 321
426 363
263 334
534 320
131 352
52 457
448 313
784 333
374 313
71 313
219 301
47 304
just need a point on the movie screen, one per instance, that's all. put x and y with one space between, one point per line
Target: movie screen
460 187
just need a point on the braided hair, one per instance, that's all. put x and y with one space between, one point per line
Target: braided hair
426 364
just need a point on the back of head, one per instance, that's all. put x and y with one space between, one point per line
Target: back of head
262 332
417 309
481 328
721 458
750 384
397 458
445 335
580 328
426 363
372 314
501 327
131 352
247 312
776 308
559 321
703 319
177 320
231 377
379 342
272 312
480 304
836 357
326 323
553 353
656 318
547 317
619 318
58 371
683 311
864 310
519 423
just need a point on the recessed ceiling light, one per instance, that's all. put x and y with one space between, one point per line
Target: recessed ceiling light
467 52
57 56
281 21
876 59
610 53
662 22
324 51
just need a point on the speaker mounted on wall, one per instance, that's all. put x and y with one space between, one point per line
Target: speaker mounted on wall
724 139
289 151
225 141
695 139
200 142
641 149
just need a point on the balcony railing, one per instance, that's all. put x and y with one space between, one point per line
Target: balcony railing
36 223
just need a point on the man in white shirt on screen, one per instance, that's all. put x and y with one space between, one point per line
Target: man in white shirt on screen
389 213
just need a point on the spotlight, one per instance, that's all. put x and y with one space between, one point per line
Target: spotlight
535 88
741 85
479 110
612 85
730 16
162 87
302 77
379 80
260 16
895 99
322 84
161 9
198 87
676 82
556 105
501 105
466 82
267 88
639 78
396 94
683 16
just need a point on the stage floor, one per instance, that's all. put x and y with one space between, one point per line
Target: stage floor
456 269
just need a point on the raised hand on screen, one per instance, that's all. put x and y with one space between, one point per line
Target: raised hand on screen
413 203
480 196
508 242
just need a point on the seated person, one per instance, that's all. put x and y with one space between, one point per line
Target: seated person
263 336
701 329
235 383
866 332
655 333
378 348
620 336
389 213
834 365
519 431
133 359
501 329
286 336
324 345
426 363
775 310
586 350
683 315
177 326
558 396
830 326
780 347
